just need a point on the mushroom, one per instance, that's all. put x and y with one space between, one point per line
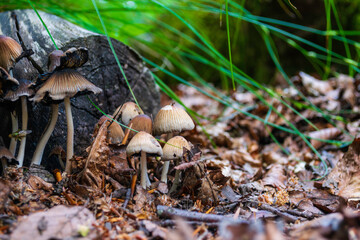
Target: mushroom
115 133
24 90
59 152
143 143
5 156
10 50
174 150
7 83
61 86
171 119
54 59
139 123
126 112
72 58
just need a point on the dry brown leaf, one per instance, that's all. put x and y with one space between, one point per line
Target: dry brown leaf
344 178
60 222
275 177
38 183
325 134
315 86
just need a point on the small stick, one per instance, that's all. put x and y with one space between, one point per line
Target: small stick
57 174
68 198
287 217
133 184
170 223
169 212
126 136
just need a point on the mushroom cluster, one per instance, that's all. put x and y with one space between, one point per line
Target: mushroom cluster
61 83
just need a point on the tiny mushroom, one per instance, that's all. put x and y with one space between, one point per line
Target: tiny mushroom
10 50
71 58
143 143
115 133
139 123
126 112
61 86
174 150
23 91
6 156
8 83
171 119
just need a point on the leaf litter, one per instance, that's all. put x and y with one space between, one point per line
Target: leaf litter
243 187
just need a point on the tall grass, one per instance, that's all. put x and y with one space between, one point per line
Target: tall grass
175 41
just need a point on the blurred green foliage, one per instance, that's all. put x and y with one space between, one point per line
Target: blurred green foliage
159 35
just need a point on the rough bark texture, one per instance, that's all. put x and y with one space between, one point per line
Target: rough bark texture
101 69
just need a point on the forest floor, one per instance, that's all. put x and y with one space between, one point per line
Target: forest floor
238 185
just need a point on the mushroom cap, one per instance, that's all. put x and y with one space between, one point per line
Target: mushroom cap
144 142
75 57
7 82
71 58
5 153
115 133
172 119
140 123
174 148
24 89
65 83
127 112
9 51
54 59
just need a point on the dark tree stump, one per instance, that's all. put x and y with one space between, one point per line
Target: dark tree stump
101 69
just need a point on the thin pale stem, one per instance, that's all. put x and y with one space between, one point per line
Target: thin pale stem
145 182
176 180
166 166
24 113
70 135
15 127
14 123
46 135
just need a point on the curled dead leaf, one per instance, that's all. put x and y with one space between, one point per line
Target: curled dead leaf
325 134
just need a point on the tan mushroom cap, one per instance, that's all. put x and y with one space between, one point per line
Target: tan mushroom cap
115 133
9 51
23 90
140 123
127 112
172 119
65 83
144 142
174 148
5 76
5 153
54 59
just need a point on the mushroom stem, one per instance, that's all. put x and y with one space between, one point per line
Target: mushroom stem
46 135
70 135
145 182
14 123
176 180
166 165
15 127
24 113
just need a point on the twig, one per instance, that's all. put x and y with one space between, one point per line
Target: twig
27 52
169 212
171 223
287 217
307 215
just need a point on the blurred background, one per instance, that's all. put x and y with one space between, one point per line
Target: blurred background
269 39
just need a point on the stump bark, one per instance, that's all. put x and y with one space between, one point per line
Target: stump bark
101 69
